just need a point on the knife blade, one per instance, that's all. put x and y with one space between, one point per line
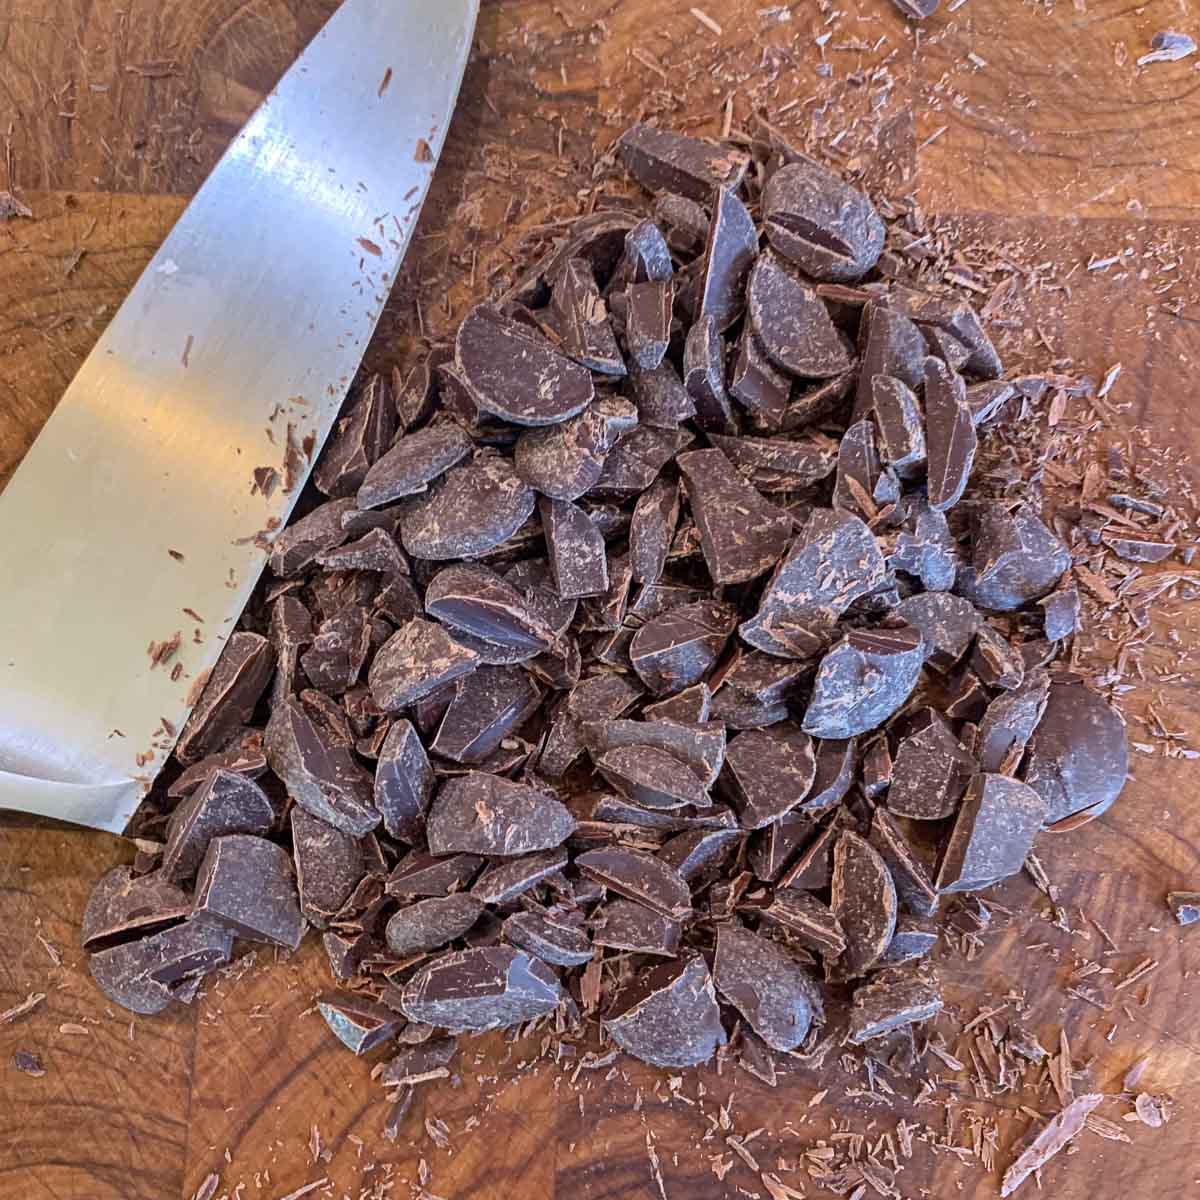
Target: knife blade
134 520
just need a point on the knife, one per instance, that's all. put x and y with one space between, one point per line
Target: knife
134 531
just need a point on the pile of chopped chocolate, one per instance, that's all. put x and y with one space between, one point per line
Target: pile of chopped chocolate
645 661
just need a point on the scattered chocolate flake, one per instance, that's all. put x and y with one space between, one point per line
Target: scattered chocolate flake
1053 1137
917 10
420 1064
27 1062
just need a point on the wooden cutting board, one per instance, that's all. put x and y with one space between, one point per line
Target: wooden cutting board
1029 127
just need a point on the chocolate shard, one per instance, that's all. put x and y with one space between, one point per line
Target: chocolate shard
701 747
648 323
646 258
247 886
1078 757
813 870
987 400
758 385
581 317
947 625
411 464
891 347
836 762
1184 906
774 846
901 426
639 876
817 401
478 813
767 773
505 881
691 706
320 775
956 317
893 999
346 952
224 803
124 906
925 547
742 535
685 221
914 887
578 558
403 783
914 939
863 680
420 1063
704 376
668 1016
485 988
931 770
626 925
861 484
662 400
599 238
876 767
415 661
1015 560
652 528
329 866
652 778
779 464
339 650
142 975
564 461
680 647
731 249
1138 549
829 229
422 874
993 835
1061 612
360 437
478 505
949 433
228 700
415 391
949 349
863 899
694 851
754 677
358 1022
639 456
487 706
430 924
376 550
297 546
807 920
551 941
472 599
792 323
515 373
997 661
242 755
662 161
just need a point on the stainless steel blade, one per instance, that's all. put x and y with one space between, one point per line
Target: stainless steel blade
135 508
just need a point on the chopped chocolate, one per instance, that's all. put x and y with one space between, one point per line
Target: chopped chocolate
662 161
1061 612
1009 723
780 464
759 385
861 485
767 773
956 317
478 813
564 461
329 866
813 870
345 952
422 874
1138 549
701 747
685 221
949 434
639 456
876 768
578 558
774 846
668 1016
925 547
581 318
639 876
233 690
360 437
680 647
662 400
1184 906
914 886
731 249
376 550
358 1022
931 770
893 999
487 706
430 924
403 783
626 925
901 427
986 400
411 464
996 660
339 650
914 939
966 699
704 376
1015 559
806 919
892 349
947 625
505 881
690 706
124 906
472 599
993 834
694 851
864 902
652 778
244 755
246 884
296 547
646 258
415 661
1053 1137
224 803
648 322
836 761
652 528
551 941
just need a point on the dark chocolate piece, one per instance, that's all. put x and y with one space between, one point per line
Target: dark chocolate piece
864 902
987 400
876 768
1009 723
948 348
652 778
480 989
956 317
690 706
471 598
1184 906
581 317
966 699
403 783
914 939
947 625
914 887
358 1022
1138 549
862 485
773 847
345 952
422 874
296 547
704 376
339 650
415 392
646 258
639 456
578 558
891 347
993 835
411 464
949 434
421 1063
247 886
484 814
813 870
365 431
639 876
694 851
430 924
662 161
680 647
901 427
792 323
997 662
863 680
224 803
668 1016
488 705
1078 756
685 221
505 881
564 461
806 919
376 550
320 775
893 999
731 248
767 773
244 756
662 400
1061 612
652 528
329 866
829 229
931 770
759 385
291 629
625 925
701 747
780 464
415 661
648 323
228 700
552 942
925 547
836 761
1015 560
124 906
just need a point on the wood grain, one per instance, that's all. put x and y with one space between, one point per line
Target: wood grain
1052 147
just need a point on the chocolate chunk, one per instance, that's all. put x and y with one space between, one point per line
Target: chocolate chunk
577 555
892 347
947 625
806 919
774 846
704 376
816 402
639 876
863 680
925 547
225 803
993 834
484 814
471 598
997 662
792 323
430 924
474 509
956 317
345 953
696 850
742 534
731 249
123 906
836 761
339 650
420 1063
914 939
413 463
987 400
1136 549
414 393
551 941
480 989
949 434
244 755
403 783
581 318
690 706
1016 559
700 747
505 881
931 770
376 550
646 258
296 547
246 885
662 161
966 699
415 661
901 428
320 776
758 384
759 678
329 866
598 697
1184 906
422 874
829 229
914 887
1061 612
779 464
1078 756
668 1017
514 373
228 700
949 349
648 323
864 901
767 773
358 1022
766 984
639 456
813 870
360 437
487 706
626 925
861 485
652 528
892 1000
685 221
680 647
566 460
876 768
652 778
662 400
599 238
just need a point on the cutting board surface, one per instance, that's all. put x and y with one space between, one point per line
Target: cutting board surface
1026 126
